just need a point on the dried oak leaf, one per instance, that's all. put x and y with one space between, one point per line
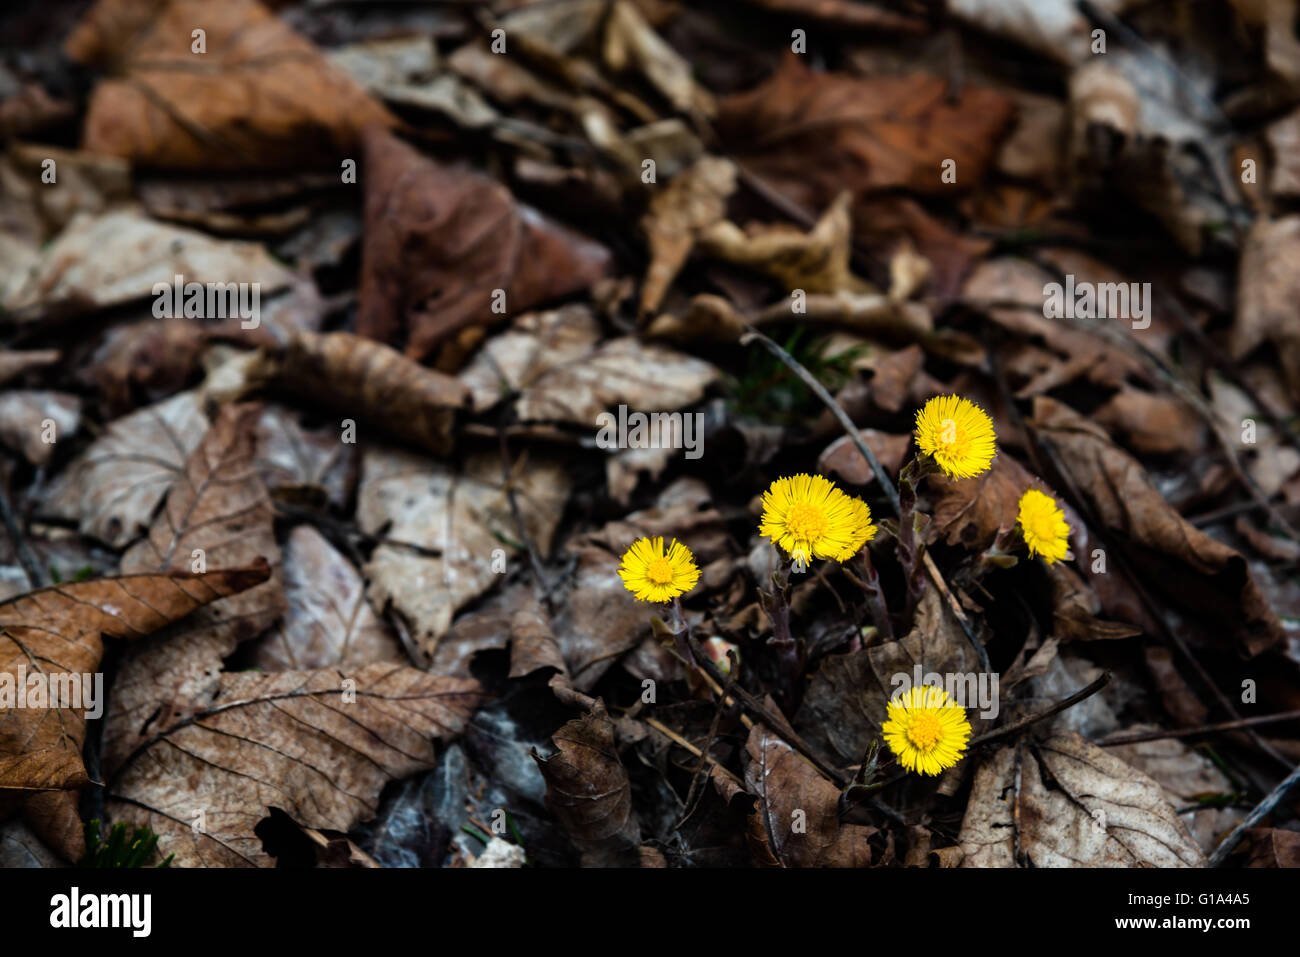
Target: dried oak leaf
446 530
378 385
218 513
812 134
59 631
440 241
1076 805
328 623
588 791
318 745
113 488
796 821
259 96
1210 579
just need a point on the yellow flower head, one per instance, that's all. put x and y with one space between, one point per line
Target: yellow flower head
863 530
958 433
651 575
926 730
1044 526
810 518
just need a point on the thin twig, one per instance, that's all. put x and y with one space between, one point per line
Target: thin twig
1133 737
1017 726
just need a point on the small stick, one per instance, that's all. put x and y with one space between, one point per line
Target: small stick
1133 737
1020 725
677 739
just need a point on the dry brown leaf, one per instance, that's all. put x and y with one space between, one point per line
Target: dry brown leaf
461 527
318 745
328 623
1077 805
843 460
796 821
1209 578
814 134
588 791
59 631
259 96
1156 424
113 488
376 384
1075 607
1273 847
439 243
971 512
217 512
630 44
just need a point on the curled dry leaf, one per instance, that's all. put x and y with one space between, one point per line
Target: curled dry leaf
217 513
448 533
1075 607
816 261
319 745
692 201
1157 424
265 97
442 245
588 791
795 821
378 385
1209 577
58 631
1076 805
971 512
328 623
113 488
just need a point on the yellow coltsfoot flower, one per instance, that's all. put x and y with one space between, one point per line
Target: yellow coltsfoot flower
1043 526
809 517
863 530
653 575
958 433
926 730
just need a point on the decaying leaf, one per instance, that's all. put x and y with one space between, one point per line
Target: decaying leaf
1208 576
218 514
449 533
58 632
328 622
318 745
587 789
1072 804
113 488
265 96
445 248
796 822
